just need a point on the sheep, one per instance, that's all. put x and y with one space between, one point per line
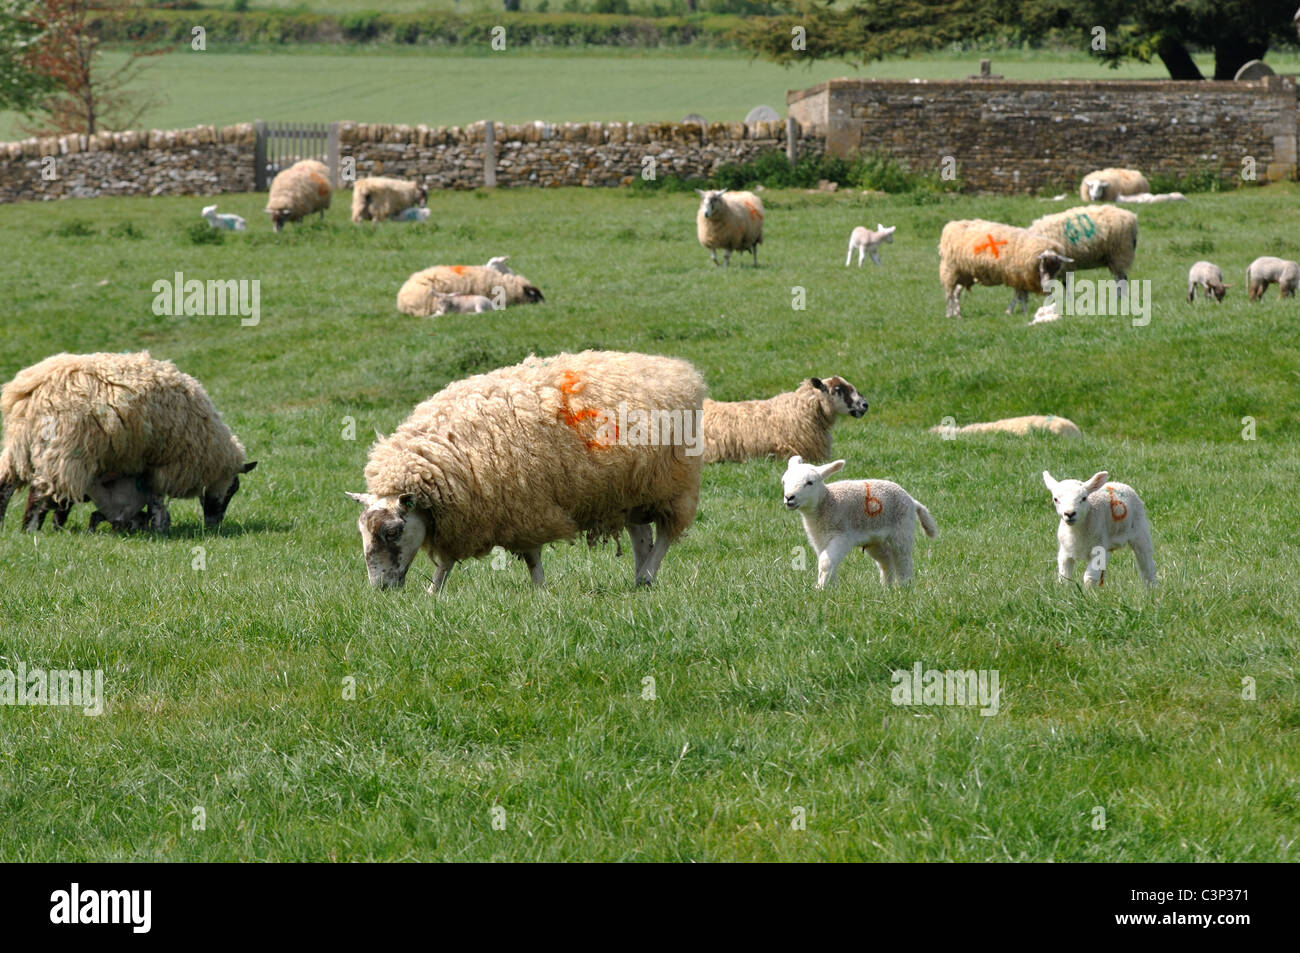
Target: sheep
73 418
546 450
1210 279
877 515
990 253
1147 198
866 242
1268 270
499 264
298 191
228 220
1021 426
419 294
797 422
378 199
732 221
461 304
1096 236
120 501
1098 518
1106 185
412 215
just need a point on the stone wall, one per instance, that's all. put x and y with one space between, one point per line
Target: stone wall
1010 136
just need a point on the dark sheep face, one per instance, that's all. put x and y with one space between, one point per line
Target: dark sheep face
216 499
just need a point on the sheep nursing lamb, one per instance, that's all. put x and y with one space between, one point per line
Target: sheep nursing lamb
1094 236
419 293
731 221
1107 185
975 251
878 515
795 422
1097 518
1268 270
550 449
1021 426
1209 278
298 191
378 199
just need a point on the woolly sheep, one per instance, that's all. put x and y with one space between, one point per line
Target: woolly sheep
1209 277
228 220
499 264
1268 270
795 422
1021 426
1098 518
1147 198
1106 185
866 242
1094 236
877 515
461 304
419 294
989 253
546 450
74 417
732 221
298 191
377 198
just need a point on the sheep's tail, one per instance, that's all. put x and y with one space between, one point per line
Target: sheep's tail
927 521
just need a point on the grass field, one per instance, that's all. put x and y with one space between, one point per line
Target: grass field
224 683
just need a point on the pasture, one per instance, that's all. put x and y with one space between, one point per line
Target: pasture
225 653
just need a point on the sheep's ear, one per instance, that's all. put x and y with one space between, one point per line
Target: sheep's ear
406 501
700 193
1049 481
362 498
248 466
1225 286
794 462
817 382
834 467
1096 480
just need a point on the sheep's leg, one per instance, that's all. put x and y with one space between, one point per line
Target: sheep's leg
726 257
61 511
1146 559
954 302
880 553
902 558
34 514
1064 567
96 518
533 560
160 518
848 259
440 574
642 542
1191 293
875 257
713 253
1095 573
754 252
651 566
829 560
1122 279
6 491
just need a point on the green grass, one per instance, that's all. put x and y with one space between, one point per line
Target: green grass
224 685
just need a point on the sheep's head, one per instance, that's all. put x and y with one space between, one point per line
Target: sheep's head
533 295
209 210
217 497
278 217
1051 265
392 531
442 301
423 192
711 201
886 234
1218 289
1070 497
1096 188
844 396
804 484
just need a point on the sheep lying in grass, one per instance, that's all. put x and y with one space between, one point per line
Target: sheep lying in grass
1268 270
461 304
1107 185
376 198
1147 198
412 215
732 221
1209 278
1098 518
796 422
298 191
1094 236
975 251
877 515
866 242
228 220
1021 426
419 294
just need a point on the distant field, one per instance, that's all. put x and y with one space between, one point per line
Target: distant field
441 87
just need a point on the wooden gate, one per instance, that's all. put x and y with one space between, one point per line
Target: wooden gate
281 144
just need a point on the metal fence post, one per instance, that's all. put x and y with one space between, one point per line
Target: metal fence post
489 154
259 156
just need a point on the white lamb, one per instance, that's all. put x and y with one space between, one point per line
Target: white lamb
866 242
1268 270
412 214
877 515
1098 518
226 220
461 304
1209 278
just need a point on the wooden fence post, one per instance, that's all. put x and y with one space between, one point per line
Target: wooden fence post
259 157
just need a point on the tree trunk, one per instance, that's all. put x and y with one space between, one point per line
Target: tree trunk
1177 60
1232 55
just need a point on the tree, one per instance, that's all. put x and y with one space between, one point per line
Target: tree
21 87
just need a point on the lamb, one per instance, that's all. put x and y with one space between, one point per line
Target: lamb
228 220
377 198
1098 518
732 221
1147 198
461 304
1210 279
72 419
1096 236
990 253
546 450
1268 270
1106 185
412 215
877 515
795 422
866 242
1021 426
419 294
298 191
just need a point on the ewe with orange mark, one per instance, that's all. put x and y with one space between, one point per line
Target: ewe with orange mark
419 294
731 221
298 191
975 251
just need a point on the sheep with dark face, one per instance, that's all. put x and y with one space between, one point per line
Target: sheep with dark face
797 422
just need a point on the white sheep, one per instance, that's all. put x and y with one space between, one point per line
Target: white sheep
1094 236
226 220
1106 185
975 251
499 264
1267 270
461 304
1147 198
1098 518
298 191
877 515
866 242
377 198
732 221
1021 426
795 422
419 293
1209 278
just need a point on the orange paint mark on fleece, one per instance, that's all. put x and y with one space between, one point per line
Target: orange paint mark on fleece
458 269
992 245
570 385
754 213
1117 508
874 506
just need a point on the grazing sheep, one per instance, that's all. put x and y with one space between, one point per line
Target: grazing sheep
228 220
732 221
1147 198
462 304
1021 426
547 450
499 264
379 199
1094 236
419 294
877 515
72 418
1210 279
795 422
989 253
866 242
1268 270
1098 518
298 191
1106 185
